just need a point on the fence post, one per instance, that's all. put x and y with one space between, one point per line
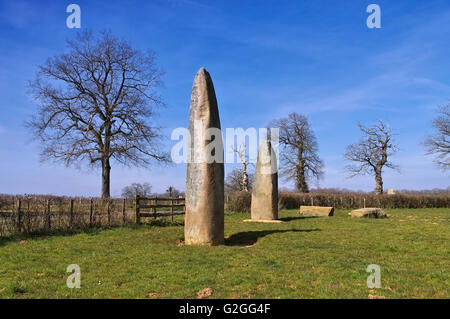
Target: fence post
154 207
108 211
48 215
71 214
364 203
91 212
60 211
137 209
123 211
171 208
19 216
27 215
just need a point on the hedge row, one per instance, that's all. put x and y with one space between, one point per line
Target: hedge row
241 201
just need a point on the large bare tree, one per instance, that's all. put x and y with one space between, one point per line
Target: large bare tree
95 105
372 153
299 158
439 143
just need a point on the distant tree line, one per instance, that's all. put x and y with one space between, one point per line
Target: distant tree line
145 190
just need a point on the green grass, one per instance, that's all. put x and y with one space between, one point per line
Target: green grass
300 258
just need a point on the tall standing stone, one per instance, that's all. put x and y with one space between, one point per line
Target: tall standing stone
204 220
265 186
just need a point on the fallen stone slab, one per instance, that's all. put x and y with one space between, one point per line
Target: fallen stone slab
368 212
316 211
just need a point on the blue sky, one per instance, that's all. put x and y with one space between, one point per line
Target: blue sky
267 59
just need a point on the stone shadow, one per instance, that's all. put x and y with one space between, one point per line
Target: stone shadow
162 223
249 238
288 219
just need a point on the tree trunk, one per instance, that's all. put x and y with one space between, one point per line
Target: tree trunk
378 181
244 177
301 184
106 172
106 167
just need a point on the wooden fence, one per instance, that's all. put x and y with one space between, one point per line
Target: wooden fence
156 207
33 215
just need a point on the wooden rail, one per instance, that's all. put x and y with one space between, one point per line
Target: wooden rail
148 207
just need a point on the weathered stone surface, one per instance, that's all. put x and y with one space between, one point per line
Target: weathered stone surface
317 211
204 220
264 204
368 212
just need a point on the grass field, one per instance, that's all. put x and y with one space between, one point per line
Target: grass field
300 258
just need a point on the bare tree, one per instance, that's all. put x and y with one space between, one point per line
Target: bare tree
245 162
439 143
299 158
95 103
371 154
233 181
136 189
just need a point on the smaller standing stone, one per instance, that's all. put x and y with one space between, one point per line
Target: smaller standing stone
265 187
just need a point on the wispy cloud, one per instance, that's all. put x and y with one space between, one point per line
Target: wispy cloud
372 93
398 73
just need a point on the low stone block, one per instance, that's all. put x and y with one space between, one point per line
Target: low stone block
316 211
368 212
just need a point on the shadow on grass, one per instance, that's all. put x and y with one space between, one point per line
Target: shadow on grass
45 234
288 219
83 230
249 238
92 231
162 223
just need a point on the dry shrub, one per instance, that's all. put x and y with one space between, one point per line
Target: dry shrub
238 202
